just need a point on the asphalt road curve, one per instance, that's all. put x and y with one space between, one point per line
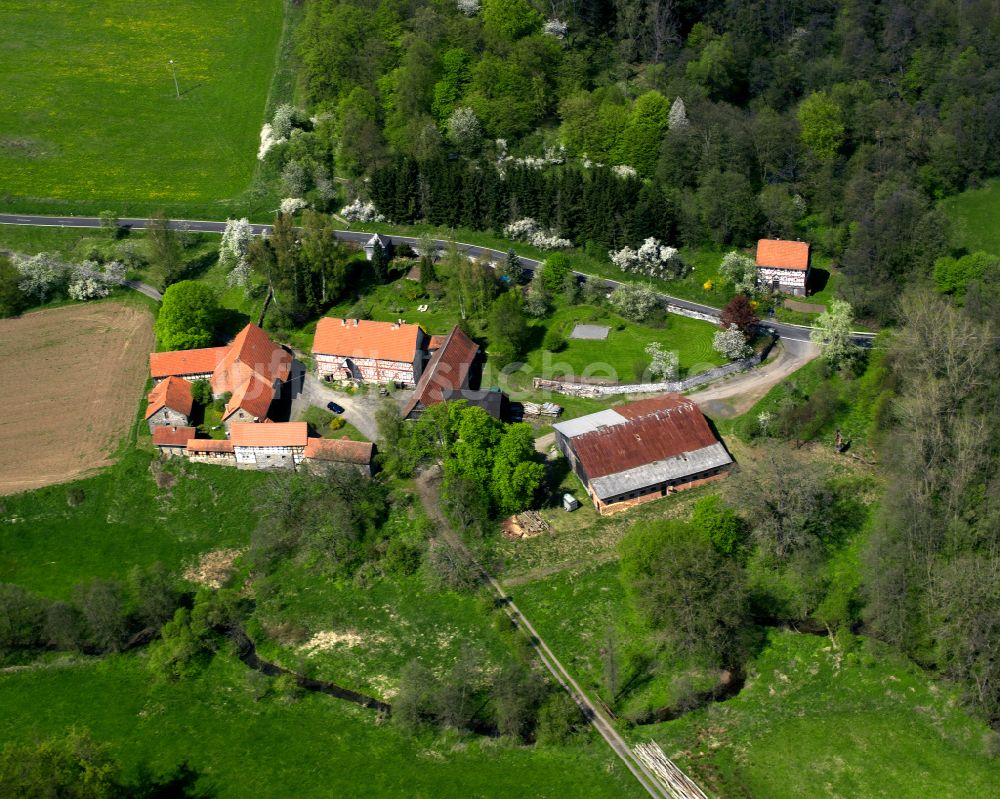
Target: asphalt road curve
783 329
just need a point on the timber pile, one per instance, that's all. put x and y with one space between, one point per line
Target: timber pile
542 409
525 525
677 783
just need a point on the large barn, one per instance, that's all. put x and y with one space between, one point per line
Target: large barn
643 450
373 352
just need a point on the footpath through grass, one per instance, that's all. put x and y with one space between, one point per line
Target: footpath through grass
92 119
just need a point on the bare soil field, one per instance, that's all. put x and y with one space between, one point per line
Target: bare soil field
70 379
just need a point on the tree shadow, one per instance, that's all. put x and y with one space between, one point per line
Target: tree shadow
818 280
230 322
183 782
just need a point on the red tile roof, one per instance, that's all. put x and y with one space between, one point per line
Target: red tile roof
341 450
279 434
387 341
780 254
254 396
659 428
185 362
447 371
165 436
173 393
251 353
209 445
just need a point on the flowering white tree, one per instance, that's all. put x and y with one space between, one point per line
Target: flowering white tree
468 7
677 118
283 121
555 27
741 271
652 259
292 205
233 252
267 140
358 211
665 364
731 343
634 301
41 275
527 229
90 280
624 171
833 332
464 129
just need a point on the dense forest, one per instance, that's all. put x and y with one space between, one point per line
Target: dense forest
697 123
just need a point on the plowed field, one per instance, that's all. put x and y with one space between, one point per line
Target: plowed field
70 379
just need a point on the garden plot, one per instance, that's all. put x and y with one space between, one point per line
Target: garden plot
71 379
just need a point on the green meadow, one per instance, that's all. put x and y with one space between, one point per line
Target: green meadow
92 119
975 218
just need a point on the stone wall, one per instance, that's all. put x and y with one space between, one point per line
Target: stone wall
589 390
704 317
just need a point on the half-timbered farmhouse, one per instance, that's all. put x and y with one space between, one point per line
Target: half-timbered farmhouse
170 403
252 368
783 265
275 445
640 451
373 352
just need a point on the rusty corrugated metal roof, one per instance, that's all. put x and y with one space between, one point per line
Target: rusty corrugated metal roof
649 431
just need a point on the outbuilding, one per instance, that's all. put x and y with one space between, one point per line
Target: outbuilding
642 450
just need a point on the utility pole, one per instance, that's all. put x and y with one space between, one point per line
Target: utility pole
173 70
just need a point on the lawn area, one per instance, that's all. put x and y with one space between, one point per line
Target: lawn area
92 117
815 722
316 746
30 240
974 215
622 355
125 519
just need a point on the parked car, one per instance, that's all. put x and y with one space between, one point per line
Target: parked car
333 406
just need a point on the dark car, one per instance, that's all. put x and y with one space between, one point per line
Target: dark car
333 406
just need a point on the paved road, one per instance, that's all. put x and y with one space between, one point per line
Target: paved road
428 491
783 329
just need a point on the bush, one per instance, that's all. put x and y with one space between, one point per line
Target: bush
201 391
558 720
554 340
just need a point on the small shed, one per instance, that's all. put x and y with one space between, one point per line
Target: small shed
378 238
570 503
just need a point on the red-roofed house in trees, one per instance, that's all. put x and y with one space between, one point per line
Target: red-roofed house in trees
783 265
643 450
453 373
373 352
276 445
170 403
172 441
252 368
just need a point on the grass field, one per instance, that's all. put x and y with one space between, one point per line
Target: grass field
313 747
974 214
92 119
815 722
125 519
71 380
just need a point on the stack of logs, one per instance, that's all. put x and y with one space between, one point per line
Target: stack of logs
543 409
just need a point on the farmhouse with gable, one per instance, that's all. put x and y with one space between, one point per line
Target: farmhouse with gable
783 265
170 403
252 368
453 373
642 450
274 445
373 352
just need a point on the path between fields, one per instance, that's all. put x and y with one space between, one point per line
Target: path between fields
427 488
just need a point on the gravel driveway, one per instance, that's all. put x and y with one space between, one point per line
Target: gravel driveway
359 409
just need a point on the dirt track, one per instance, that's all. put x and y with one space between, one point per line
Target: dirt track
70 379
